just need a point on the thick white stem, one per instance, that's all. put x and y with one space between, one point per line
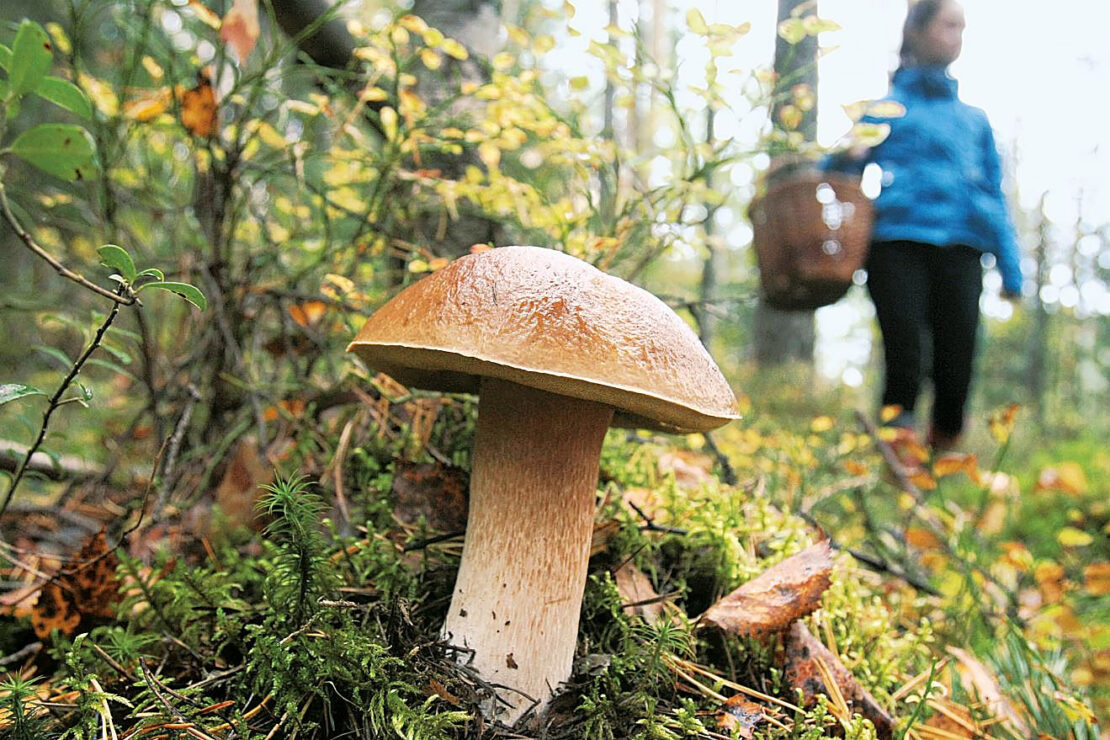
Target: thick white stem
532 492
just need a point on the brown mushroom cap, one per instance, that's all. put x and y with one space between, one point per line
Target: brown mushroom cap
544 319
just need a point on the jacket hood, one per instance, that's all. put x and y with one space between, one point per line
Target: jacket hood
931 81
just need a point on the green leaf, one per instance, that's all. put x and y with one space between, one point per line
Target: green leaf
62 149
189 292
119 260
113 367
5 58
3 89
55 353
65 94
153 272
12 391
32 53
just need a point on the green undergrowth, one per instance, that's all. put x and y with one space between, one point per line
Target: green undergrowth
327 629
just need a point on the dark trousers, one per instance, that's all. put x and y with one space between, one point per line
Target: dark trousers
927 302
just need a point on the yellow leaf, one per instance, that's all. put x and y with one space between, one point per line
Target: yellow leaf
490 154
455 50
792 30
1072 537
1067 477
146 109
889 413
418 266
431 59
886 109
821 424
1002 422
695 21
205 15
413 23
869 134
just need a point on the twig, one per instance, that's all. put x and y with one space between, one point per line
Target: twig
175 445
26 238
874 563
56 400
20 654
728 473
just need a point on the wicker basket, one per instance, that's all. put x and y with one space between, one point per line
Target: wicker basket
810 233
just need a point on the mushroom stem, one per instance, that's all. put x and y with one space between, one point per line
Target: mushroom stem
532 493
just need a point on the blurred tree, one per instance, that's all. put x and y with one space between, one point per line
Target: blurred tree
781 336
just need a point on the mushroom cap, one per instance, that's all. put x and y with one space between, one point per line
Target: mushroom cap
544 319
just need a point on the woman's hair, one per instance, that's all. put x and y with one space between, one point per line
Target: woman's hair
920 15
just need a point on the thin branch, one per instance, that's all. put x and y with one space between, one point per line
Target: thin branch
56 399
5 209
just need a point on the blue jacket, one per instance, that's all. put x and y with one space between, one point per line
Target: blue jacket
942 178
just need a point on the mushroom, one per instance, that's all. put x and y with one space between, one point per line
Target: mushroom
557 351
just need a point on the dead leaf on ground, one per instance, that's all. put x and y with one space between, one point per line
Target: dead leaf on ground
239 29
87 591
639 597
434 492
740 716
976 675
807 663
950 721
240 487
951 463
690 469
782 594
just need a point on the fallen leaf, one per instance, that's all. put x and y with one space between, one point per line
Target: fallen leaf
804 655
87 591
198 108
774 599
433 492
240 487
951 721
976 675
740 716
690 469
639 597
240 29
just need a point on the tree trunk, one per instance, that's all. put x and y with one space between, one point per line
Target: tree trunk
782 336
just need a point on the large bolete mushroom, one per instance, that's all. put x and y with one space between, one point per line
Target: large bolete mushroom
557 351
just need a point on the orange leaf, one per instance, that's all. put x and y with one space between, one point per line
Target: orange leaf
239 28
855 467
87 591
956 462
774 599
804 656
308 313
198 108
1096 579
740 716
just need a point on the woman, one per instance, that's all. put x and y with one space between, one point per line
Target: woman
940 208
